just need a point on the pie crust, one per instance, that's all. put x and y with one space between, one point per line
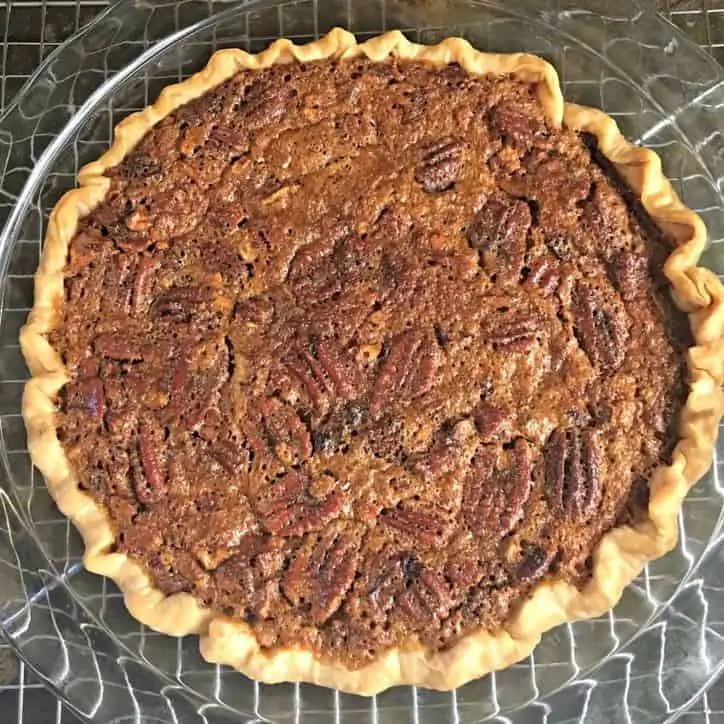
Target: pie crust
621 554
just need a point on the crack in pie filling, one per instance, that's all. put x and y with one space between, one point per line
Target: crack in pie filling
360 353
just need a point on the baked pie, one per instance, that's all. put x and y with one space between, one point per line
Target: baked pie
369 363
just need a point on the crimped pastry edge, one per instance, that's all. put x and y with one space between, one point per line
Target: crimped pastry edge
620 555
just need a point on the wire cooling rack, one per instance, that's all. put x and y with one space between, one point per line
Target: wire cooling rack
61 617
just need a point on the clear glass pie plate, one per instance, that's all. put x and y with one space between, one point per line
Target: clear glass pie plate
644 662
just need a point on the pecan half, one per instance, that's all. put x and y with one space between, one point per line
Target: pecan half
427 526
288 510
517 126
408 371
87 394
493 423
120 347
440 165
193 390
250 578
149 477
543 275
629 272
442 459
572 473
463 571
179 303
325 372
557 178
515 332
499 224
288 436
605 212
429 598
177 388
497 490
336 368
143 285
311 272
601 333
389 575
323 570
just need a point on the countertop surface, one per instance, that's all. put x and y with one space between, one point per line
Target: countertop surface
33 29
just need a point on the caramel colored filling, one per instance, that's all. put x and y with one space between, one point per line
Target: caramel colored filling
361 352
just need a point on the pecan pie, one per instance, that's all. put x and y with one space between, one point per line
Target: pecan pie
363 362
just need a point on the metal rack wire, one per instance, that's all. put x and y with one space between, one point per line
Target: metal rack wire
31 29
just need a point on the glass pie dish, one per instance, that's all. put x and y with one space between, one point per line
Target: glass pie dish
649 658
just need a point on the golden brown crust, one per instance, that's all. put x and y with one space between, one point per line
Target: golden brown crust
622 552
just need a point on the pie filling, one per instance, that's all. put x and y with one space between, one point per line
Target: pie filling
361 352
